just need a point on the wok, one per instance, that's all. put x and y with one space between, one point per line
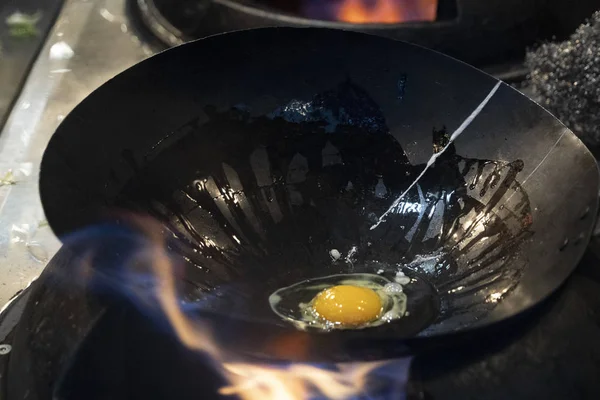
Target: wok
263 153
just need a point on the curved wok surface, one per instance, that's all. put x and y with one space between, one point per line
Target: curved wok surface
262 151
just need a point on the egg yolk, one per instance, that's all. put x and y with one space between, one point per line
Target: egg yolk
348 305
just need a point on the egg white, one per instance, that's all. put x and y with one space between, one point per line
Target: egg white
304 317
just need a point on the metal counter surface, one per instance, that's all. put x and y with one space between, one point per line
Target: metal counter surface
91 42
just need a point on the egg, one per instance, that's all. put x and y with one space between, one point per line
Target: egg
347 305
345 301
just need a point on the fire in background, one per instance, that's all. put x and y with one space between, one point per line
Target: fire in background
361 11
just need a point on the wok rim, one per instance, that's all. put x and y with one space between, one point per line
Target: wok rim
53 212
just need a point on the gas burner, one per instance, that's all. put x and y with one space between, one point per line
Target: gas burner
491 35
367 11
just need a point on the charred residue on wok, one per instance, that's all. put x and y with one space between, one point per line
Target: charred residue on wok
262 200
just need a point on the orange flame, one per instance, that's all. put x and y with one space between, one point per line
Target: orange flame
249 381
387 11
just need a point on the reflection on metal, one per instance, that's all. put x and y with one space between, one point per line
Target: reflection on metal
496 297
273 198
437 154
407 207
5 349
61 51
417 209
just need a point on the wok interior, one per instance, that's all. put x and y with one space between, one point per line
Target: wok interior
286 144
258 203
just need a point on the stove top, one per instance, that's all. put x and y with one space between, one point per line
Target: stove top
551 352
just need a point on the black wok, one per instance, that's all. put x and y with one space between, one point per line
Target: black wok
262 151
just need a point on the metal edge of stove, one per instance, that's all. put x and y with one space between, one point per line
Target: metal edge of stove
11 312
9 318
153 20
